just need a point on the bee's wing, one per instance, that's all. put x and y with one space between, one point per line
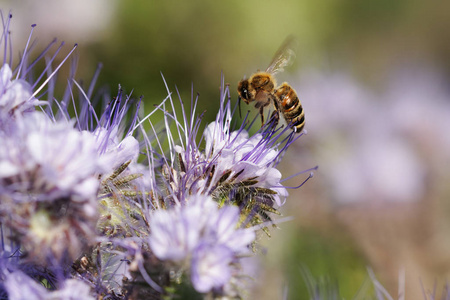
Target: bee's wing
283 57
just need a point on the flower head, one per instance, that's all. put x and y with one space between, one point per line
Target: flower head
200 235
20 287
232 167
49 183
15 95
211 267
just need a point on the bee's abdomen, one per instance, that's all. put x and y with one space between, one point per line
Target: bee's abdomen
291 106
288 97
299 122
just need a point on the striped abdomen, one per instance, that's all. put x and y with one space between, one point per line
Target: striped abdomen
290 106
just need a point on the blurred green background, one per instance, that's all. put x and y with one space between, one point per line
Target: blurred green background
353 62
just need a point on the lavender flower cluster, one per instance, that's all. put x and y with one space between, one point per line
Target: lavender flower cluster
111 205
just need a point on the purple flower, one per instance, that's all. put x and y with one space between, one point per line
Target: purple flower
233 167
176 232
50 165
15 94
72 290
49 160
232 156
221 229
21 287
203 236
211 267
112 151
243 157
48 185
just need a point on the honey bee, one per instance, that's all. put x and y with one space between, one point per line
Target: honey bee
261 87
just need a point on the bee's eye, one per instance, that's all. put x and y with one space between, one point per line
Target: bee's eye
243 90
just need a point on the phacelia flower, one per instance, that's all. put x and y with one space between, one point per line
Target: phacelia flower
112 151
241 157
202 236
49 185
20 287
232 167
16 95
211 267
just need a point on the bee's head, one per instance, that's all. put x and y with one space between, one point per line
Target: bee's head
246 91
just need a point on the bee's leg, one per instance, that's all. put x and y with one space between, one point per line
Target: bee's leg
275 118
261 112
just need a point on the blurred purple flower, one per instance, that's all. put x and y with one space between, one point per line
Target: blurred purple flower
369 136
49 170
210 267
52 159
21 287
15 94
176 232
200 232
